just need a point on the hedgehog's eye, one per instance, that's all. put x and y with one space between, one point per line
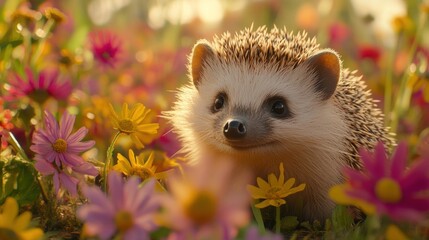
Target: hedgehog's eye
278 107
219 102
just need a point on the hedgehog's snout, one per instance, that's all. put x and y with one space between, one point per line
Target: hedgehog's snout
234 129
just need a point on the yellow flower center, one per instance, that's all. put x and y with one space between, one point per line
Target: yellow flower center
201 207
273 193
126 126
8 234
143 172
124 221
60 145
388 190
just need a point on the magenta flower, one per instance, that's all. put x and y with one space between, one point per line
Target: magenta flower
105 48
369 52
40 88
338 33
128 210
387 187
210 202
57 152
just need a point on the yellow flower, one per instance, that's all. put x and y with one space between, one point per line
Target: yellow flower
338 194
138 166
402 23
54 14
13 226
163 162
394 233
275 190
132 122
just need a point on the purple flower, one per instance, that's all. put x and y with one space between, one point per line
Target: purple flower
128 210
210 202
57 152
252 233
41 88
105 47
387 187
56 143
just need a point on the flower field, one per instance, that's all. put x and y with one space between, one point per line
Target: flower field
87 151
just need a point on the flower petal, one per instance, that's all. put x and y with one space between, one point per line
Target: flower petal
66 125
116 189
22 221
44 167
10 209
262 183
33 233
256 192
78 135
263 204
69 183
78 147
394 233
124 111
98 198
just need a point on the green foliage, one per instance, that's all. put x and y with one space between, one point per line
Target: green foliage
18 180
342 219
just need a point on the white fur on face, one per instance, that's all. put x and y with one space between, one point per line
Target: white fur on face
313 120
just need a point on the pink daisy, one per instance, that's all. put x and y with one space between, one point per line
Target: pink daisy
56 144
387 187
209 202
105 47
57 152
39 88
128 210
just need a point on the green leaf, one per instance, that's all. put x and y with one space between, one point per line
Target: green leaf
9 180
28 189
13 43
160 233
20 182
289 223
342 218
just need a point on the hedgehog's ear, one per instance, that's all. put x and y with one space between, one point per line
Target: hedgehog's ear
200 54
326 66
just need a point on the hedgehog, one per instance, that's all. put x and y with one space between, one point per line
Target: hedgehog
264 97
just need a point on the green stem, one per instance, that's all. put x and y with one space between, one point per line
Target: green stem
277 219
388 87
403 101
258 217
43 191
108 163
96 163
17 146
39 50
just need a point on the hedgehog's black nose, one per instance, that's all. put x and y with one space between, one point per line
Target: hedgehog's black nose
234 129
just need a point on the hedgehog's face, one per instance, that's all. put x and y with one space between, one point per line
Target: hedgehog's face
259 109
